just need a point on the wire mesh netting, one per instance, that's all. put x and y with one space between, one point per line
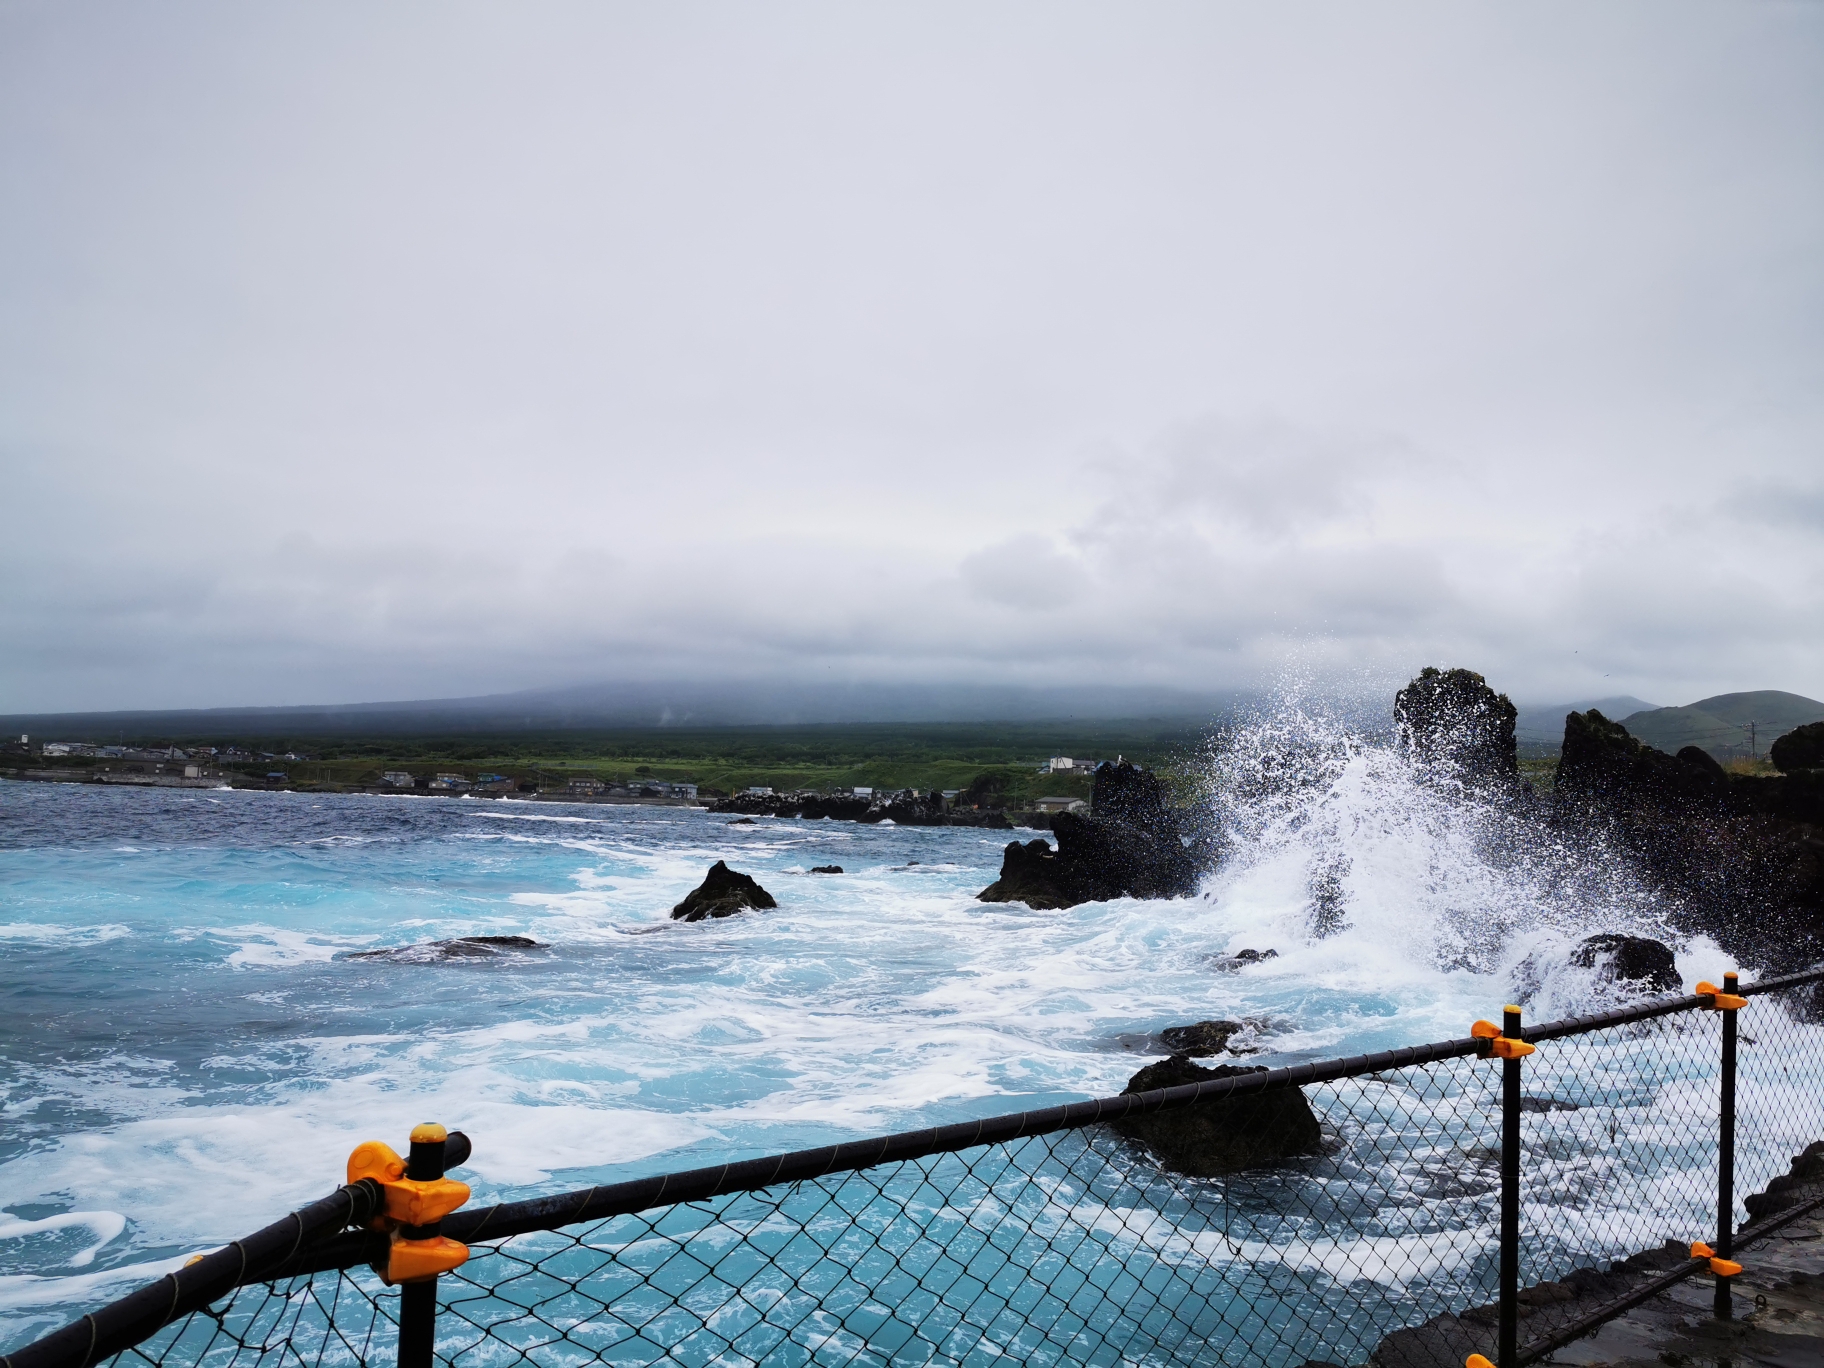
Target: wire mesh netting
1082 1246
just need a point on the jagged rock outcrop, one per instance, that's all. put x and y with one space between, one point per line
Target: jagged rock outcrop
1224 1135
722 893
1796 1185
1800 749
1643 964
1130 846
1740 859
1454 724
1602 766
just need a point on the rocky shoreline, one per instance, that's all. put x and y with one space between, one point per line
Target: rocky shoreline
906 808
1545 1308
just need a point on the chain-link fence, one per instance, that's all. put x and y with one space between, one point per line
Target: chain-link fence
1077 1236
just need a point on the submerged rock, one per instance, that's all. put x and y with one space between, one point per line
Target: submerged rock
1131 846
1638 961
462 947
722 893
826 869
1223 1135
1241 959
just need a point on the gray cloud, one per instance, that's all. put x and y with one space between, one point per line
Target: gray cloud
355 353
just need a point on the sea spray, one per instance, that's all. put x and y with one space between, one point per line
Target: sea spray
1366 861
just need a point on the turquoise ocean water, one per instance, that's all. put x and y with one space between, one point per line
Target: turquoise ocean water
189 1048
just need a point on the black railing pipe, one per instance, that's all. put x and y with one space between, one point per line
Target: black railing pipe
1507 1351
1725 1155
418 1300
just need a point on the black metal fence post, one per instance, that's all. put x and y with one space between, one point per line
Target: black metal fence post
1507 1350
418 1300
1725 1154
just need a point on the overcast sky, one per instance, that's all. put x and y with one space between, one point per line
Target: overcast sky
377 351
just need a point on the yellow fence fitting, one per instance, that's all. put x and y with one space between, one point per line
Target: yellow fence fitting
1719 1000
1477 1361
411 1260
411 1204
1723 1268
1500 1046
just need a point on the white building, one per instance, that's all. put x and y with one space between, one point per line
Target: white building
397 779
451 781
758 792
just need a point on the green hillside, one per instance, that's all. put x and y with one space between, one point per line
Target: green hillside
1720 725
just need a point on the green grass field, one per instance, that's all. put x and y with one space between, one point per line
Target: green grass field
729 759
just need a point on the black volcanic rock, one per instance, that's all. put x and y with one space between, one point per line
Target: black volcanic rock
1600 763
826 869
461 948
1241 959
1199 1038
1739 859
1640 961
1032 874
1802 748
905 809
722 893
1224 1135
1130 846
1792 1187
1451 719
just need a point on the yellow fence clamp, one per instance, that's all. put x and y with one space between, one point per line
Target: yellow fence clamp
1723 1268
1500 1046
413 1209
1719 1000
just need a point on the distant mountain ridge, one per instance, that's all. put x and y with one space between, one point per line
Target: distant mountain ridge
1729 726
692 703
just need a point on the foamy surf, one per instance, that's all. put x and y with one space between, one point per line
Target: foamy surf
241 1034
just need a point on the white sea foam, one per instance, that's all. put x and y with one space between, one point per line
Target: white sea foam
63 935
269 947
103 1225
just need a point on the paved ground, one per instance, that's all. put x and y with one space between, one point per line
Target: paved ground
1779 1316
